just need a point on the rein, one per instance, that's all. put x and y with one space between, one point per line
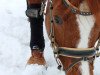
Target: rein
87 54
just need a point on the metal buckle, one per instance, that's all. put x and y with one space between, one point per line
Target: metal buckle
35 47
33 13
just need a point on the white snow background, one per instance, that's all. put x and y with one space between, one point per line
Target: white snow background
14 43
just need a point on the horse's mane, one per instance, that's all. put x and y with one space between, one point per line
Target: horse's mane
94 5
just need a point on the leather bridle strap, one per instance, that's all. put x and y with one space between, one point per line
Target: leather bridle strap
98 44
74 9
76 52
77 62
97 47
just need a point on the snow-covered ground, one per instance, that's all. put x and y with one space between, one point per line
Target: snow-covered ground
14 43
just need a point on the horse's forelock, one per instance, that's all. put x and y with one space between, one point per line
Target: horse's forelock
76 2
94 6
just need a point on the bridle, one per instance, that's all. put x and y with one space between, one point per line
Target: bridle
74 9
87 54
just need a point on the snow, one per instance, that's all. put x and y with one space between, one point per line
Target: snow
14 43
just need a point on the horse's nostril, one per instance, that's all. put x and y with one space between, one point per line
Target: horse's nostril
58 20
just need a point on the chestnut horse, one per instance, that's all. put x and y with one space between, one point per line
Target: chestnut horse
75 30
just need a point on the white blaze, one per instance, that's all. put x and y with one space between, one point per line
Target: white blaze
85 23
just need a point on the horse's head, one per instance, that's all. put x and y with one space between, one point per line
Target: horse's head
75 27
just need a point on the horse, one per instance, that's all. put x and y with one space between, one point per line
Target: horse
75 26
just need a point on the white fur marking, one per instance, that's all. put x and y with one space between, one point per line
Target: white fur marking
85 68
85 26
85 23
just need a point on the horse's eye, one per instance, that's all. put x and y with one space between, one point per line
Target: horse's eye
58 20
